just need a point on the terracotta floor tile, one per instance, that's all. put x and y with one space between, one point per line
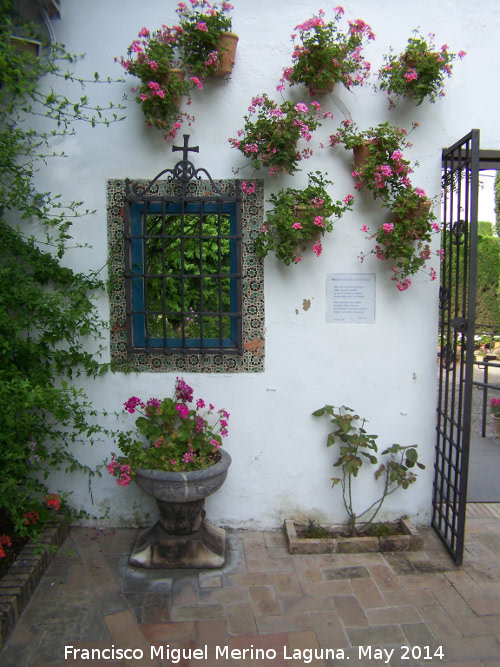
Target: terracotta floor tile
350 612
367 593
264 601
287 585
124 630
241 619
157 632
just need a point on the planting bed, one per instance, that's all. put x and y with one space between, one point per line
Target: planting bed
409 539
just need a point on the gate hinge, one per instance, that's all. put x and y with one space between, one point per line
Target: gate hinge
460 324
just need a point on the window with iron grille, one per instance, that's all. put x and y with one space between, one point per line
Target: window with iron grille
186 286
183 274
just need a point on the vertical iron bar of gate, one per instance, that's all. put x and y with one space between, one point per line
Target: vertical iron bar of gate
457 323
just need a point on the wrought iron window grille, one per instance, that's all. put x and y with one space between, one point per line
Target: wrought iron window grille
183 263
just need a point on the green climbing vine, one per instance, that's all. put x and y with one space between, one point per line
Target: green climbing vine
46 309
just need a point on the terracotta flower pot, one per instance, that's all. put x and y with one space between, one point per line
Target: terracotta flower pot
322 90
302 209
228 42
361 153
408 61
179 74
496 421
421 209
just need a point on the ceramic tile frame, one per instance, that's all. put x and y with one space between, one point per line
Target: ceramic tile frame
252 359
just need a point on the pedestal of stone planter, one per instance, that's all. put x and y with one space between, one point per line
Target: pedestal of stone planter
203 548
181 538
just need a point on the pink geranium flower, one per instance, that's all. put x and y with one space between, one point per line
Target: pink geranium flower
317 249
174 436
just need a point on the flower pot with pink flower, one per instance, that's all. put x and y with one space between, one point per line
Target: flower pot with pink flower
419 72
495 411
380 165
299 219
177 460
207 43
403 240
272 132
154 58
324 55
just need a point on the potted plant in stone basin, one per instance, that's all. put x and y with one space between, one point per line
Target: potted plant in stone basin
153 57
298 218
179 461
327 55
419 72
272 131
207 44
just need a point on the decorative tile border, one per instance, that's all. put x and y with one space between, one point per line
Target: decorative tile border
252 360
24 575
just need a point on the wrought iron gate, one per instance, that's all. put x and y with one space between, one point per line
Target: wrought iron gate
457 305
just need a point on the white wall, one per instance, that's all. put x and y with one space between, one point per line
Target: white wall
386 370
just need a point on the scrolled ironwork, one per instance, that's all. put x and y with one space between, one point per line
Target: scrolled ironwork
444 297
448 356
458 231
183 172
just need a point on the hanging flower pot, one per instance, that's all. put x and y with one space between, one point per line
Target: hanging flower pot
361 153
300 218
422 209
226 48
207 44
381 166
303 211
271 133
179 75
152 58
419 72
323 54
25 45
321 89
496 421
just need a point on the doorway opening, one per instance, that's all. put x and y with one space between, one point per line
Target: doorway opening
462 164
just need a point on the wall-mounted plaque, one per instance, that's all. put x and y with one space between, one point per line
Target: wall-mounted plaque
350 298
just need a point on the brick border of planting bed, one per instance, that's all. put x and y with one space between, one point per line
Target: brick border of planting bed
24 575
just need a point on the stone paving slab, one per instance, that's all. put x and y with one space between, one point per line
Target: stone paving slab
265 607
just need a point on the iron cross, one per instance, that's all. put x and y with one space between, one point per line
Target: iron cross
185 149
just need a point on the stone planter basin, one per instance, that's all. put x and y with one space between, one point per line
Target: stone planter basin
410 540
181 538
179 487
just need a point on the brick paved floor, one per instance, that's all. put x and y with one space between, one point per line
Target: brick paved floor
280 609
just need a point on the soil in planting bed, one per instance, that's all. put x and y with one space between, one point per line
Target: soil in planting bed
315 531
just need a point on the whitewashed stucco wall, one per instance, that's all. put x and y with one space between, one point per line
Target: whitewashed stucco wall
386 370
